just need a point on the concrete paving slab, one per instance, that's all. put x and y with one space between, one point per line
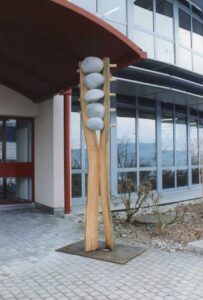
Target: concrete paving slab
30 268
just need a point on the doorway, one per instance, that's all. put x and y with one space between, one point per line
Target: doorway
16 160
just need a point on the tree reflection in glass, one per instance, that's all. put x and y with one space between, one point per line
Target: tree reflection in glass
147 139
126 142
194 142
201 143
168 178
181 141
167 140
75 141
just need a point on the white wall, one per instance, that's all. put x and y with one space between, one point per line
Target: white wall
44 154
58 150
15 104
49 153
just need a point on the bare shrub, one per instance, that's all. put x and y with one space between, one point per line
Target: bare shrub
125 189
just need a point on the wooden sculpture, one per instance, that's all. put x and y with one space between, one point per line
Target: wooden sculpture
95 106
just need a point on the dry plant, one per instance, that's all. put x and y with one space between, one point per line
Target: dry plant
164 218
147 198
125 188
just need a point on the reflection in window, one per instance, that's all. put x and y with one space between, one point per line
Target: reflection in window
148 176
198 64
167 141
184 29
126 141
201 143
114 10
18 140
143 13
181 141
75 141
14 190
185 60
168 178
118 26
127 182
194 142
182 178
147 139
145 41
166 51
164 18
197 36
89 5
76 185
195 176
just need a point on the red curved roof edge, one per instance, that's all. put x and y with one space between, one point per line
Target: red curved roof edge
138 51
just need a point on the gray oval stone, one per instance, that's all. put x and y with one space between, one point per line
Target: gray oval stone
94 95
95 110
92 64
95 124
94 80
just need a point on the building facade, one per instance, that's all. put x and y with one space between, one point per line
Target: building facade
158 135
159 130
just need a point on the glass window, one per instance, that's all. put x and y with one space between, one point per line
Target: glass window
182 178
168 178
127 182
126 139
148 176
167 141
18 140
195 176
181 141
118 26
114 10
198 64
201 143
194 142
164 18
145 41
197 36
143 13
147 139
165 51
76 185
14 190
184 28
185 60
89 5
75 141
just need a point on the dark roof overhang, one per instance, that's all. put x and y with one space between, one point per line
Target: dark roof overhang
42 42
165 75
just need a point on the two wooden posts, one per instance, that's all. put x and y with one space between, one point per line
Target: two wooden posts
98 183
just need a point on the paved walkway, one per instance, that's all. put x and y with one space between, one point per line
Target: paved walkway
31 269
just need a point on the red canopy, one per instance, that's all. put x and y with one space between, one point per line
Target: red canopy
42 42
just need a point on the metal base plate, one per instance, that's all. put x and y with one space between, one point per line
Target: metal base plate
121 255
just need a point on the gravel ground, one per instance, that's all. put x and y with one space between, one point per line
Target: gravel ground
176 236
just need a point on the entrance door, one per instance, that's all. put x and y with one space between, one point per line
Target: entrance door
16 160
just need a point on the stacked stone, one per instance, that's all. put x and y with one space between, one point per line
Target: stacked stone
94 81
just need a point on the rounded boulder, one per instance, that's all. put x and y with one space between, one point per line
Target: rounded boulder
92 64
94 80
95 124
95 110
94 95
